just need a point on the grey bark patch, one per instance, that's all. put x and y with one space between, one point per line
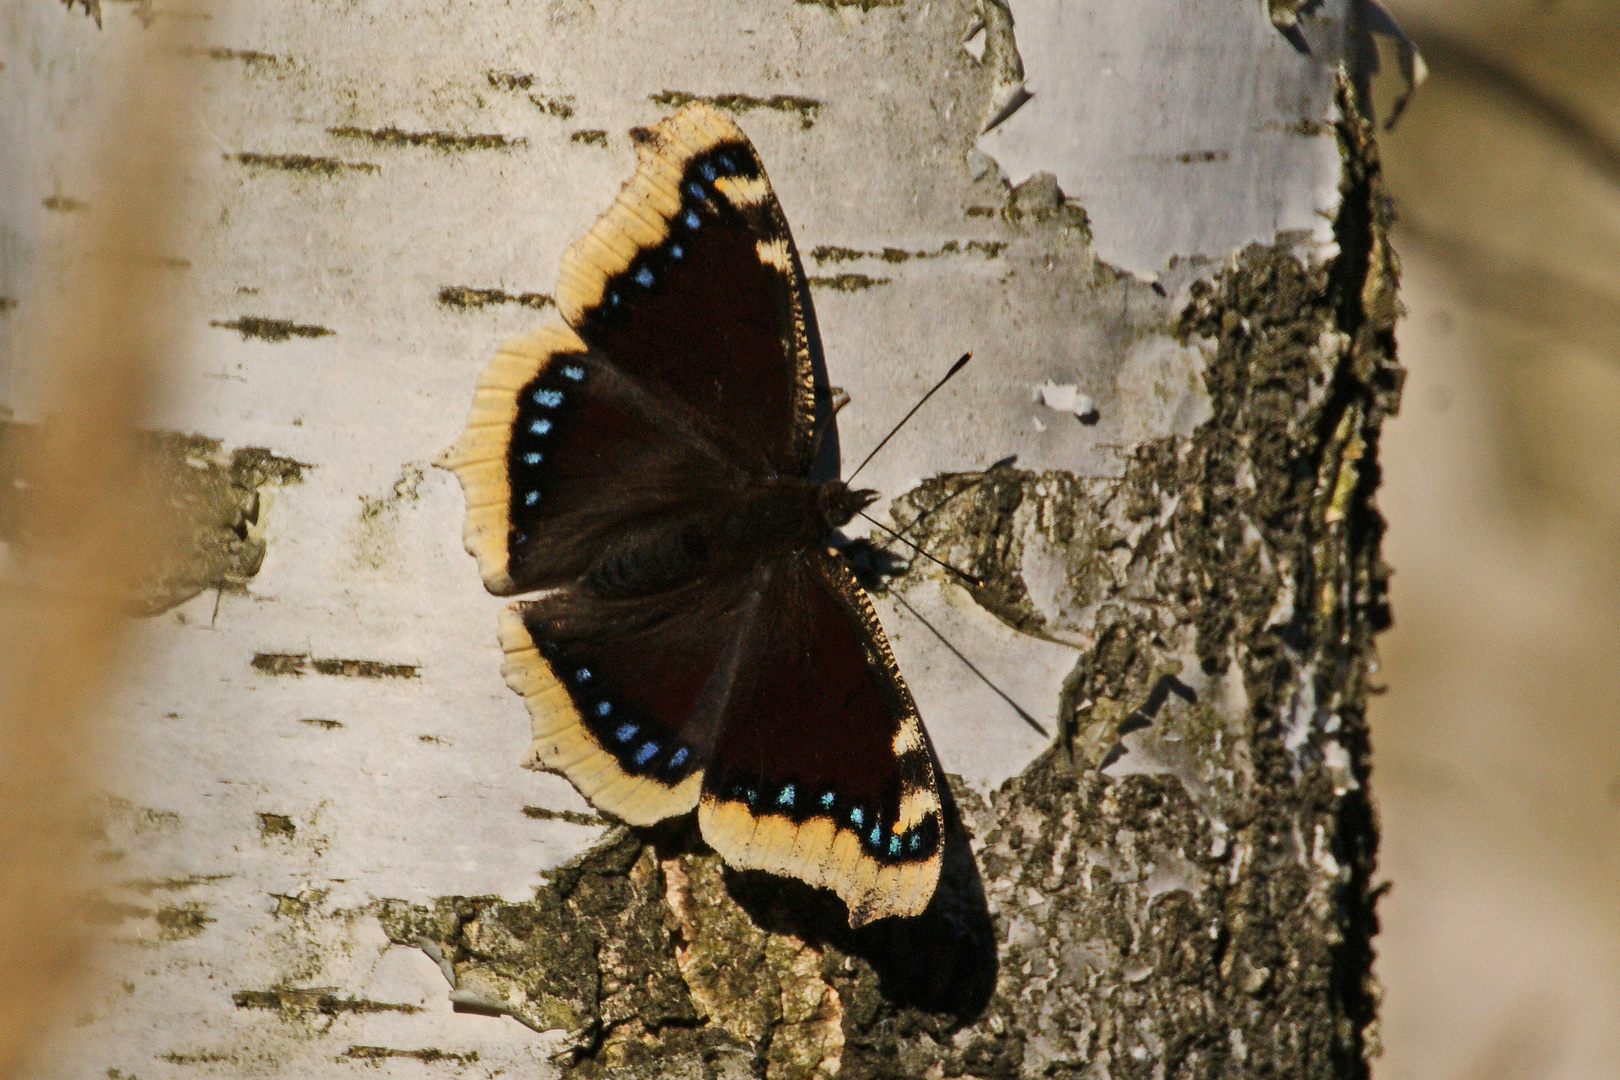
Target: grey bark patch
306 163
263 329
203 504
590 955
1034 541
467 297
302 663
437 140
804 108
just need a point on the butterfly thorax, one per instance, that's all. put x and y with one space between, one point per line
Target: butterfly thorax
767 520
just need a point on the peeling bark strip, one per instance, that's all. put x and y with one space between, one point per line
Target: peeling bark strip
438 140
804 107
1204 907
299 663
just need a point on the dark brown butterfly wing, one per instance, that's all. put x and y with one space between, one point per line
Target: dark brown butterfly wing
691 283
627 697
822 771
562 451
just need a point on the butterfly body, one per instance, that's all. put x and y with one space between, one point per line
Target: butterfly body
765 521
644 471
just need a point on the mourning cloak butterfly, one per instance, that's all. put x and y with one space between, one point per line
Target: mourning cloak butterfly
647 466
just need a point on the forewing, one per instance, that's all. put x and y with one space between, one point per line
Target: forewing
690 282
562 452
822 771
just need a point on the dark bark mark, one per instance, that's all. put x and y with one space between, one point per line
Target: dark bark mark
438 140
805 108
299 663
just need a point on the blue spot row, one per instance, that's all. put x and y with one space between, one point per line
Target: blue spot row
549 399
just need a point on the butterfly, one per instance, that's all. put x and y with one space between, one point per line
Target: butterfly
644 468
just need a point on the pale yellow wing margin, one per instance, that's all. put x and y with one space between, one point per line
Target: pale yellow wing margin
479 457
819 853
639 218
564 744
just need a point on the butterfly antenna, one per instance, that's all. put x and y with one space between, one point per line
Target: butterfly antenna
977 583
1028 719
958 366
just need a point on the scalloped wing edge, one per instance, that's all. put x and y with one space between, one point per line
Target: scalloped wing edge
563 744
478 457
640 215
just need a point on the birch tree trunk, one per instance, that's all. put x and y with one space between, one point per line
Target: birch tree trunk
1160 228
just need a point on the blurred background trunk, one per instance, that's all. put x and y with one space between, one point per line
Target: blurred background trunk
1498 747
1161 229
